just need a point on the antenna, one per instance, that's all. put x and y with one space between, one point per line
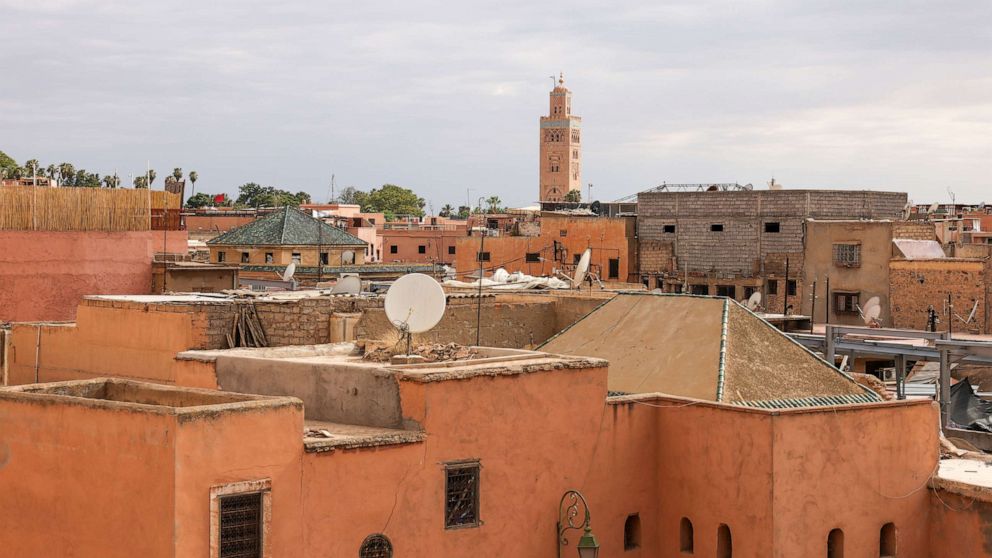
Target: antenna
290 270
415 303
581 268
348 284
754 301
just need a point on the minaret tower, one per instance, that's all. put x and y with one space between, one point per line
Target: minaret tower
561 150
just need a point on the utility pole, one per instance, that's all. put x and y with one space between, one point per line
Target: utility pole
478 317
785 299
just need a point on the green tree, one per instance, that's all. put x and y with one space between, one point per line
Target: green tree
111 181
200 200
256 195
193 177
52 172
177 173
16 172
494 204
393 199
573 196
32 167
464 211
6 161
151 177
141 181
66 173
447 210
351 195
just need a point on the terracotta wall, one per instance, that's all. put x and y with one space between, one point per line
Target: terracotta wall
43 275
437 245
960 524
609 238
73 478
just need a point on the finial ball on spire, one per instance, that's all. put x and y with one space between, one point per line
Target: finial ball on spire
561 78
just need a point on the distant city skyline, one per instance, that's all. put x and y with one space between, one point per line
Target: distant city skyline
442 98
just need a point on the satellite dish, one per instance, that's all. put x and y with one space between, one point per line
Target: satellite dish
349 284
753 301
596 207
415 303
290 270
871 311
582 268
347 258
933 207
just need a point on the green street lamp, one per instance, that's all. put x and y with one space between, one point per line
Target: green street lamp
588 547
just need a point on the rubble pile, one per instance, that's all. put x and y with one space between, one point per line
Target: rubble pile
432 352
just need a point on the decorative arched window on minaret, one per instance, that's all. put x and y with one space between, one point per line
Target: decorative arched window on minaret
559 136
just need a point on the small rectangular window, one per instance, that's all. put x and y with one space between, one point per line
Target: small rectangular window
716 227
669 229
392 249
483 257
700 289
772 227
563 233
297 258
421 249
241 526
533 257
245 257
614 268
846 302
269 258
324 258
847 255
461 494
773 287
791 286
451 250
726 290
221 256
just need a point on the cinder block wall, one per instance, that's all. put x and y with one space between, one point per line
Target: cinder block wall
743 245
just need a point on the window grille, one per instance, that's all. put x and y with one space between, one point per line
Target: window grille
847 255
241 526
376 546
461 489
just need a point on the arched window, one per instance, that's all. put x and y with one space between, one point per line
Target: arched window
887 541
376 546
685 536
632 532
724 542
835 544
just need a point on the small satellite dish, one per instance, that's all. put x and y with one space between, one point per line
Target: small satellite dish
596 207
290 270
349 284
753 301
415 303
873 302
347 258
582 268
933 207
871 313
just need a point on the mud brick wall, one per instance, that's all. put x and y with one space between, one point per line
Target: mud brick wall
966 281
743 245
914 230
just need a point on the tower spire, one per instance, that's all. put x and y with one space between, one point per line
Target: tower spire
561 78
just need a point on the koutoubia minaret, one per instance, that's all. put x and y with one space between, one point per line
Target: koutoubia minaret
561 148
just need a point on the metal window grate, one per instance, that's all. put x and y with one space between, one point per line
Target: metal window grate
241 526
847 255
376 546
462 495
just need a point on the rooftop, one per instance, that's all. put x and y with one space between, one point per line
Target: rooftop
290 227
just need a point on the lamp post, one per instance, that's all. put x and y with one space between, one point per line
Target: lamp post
588 547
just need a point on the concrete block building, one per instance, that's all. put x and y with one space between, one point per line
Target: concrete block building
737 241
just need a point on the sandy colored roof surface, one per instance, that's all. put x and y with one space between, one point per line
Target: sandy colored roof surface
708 348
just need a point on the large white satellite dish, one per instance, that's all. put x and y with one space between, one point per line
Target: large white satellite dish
582 268
415 303
872 310
349 284
290 270
753 301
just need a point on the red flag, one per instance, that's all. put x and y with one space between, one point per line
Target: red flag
219 198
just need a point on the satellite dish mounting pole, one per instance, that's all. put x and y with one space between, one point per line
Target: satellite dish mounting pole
812 310
826 315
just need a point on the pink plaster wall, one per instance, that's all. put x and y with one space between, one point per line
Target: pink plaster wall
43 275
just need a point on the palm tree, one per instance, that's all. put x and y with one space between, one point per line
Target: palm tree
151 177
193 178
141 181
32 167
177 173
52 172
494 202
111 181
66 173
447 210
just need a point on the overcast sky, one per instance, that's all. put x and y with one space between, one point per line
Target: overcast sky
444 96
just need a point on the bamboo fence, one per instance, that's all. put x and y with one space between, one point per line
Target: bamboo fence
26 208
